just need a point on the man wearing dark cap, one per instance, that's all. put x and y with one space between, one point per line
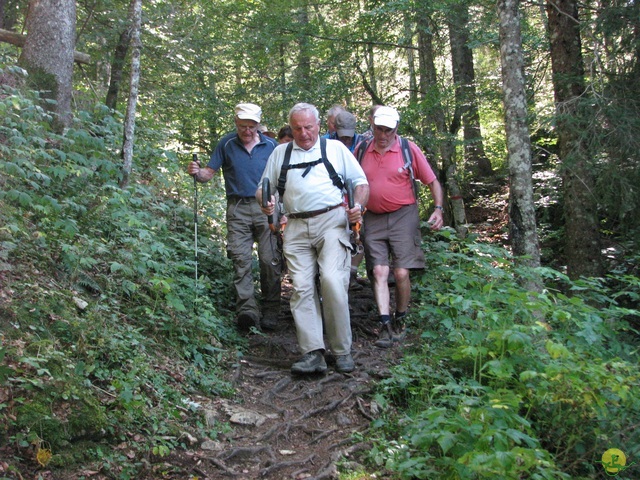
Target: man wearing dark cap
391 222
242 155
345 124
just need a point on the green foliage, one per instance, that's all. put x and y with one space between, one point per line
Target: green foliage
508 383
104 335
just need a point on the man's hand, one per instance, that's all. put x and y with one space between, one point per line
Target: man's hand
436 220
354 214
270 208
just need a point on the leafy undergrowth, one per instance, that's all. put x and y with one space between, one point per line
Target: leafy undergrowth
107 338
511 383
105 335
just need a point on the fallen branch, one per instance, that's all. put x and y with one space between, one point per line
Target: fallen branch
18 40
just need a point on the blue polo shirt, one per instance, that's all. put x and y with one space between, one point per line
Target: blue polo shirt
241 170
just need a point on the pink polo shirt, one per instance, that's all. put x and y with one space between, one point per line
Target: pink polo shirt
389 184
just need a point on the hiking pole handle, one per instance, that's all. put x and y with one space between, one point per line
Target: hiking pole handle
351 201
266 197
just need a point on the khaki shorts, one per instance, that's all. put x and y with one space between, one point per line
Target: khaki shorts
394 235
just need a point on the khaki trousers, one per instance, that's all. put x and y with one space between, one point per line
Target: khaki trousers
320 245
246 225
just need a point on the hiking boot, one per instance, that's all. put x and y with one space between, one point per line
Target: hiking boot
246 320
386 340
311 362
344 363
269 320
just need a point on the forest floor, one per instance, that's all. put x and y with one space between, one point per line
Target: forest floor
283 426
303 427
294 426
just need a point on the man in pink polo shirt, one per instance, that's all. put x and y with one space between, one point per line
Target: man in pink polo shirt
391 222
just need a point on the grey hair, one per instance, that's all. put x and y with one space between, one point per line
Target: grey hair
304 107
335 110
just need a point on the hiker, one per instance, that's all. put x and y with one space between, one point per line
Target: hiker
331 119
285 135
369 132
242 155
316 239
391 226
345 125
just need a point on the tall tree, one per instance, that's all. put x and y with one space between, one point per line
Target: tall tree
48 54
466 94
429 90
117 67
135 16
522 219
582 236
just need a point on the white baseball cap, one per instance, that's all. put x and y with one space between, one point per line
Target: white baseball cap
248 111
386 117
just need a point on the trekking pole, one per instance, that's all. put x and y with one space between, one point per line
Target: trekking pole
355 228
266 198
195 219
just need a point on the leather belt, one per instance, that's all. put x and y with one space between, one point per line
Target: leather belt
313 213
237 198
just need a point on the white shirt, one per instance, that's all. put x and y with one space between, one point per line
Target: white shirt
315 190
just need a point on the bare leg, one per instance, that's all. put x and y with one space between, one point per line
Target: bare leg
381 288
403 289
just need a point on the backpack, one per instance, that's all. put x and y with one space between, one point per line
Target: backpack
282 179
406 154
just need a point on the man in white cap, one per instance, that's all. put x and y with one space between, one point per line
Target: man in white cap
310 173
242 155
391 222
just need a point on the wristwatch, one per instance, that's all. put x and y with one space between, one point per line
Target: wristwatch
439 207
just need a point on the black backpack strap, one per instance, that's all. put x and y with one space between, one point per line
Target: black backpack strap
362 147
335 178
282 179
408 163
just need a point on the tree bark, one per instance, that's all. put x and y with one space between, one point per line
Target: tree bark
117 68
582 235
466 94
522 219
455 213
47 54
135 19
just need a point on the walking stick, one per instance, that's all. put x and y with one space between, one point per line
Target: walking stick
195 219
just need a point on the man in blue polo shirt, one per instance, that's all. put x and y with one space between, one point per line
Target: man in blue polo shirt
242 155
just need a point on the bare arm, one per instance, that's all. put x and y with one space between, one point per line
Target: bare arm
202 175
361 197
436 219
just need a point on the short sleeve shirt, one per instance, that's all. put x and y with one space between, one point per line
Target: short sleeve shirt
315 190
241 169
390 185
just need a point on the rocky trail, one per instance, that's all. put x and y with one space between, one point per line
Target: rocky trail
293 427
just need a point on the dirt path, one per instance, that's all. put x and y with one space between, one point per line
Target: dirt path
294 427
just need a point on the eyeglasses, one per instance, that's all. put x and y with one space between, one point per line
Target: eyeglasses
247 127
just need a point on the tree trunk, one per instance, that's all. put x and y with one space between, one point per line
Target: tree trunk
466 93
522 217
135 19
48 54
303 69
582 236
455 213
117 68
